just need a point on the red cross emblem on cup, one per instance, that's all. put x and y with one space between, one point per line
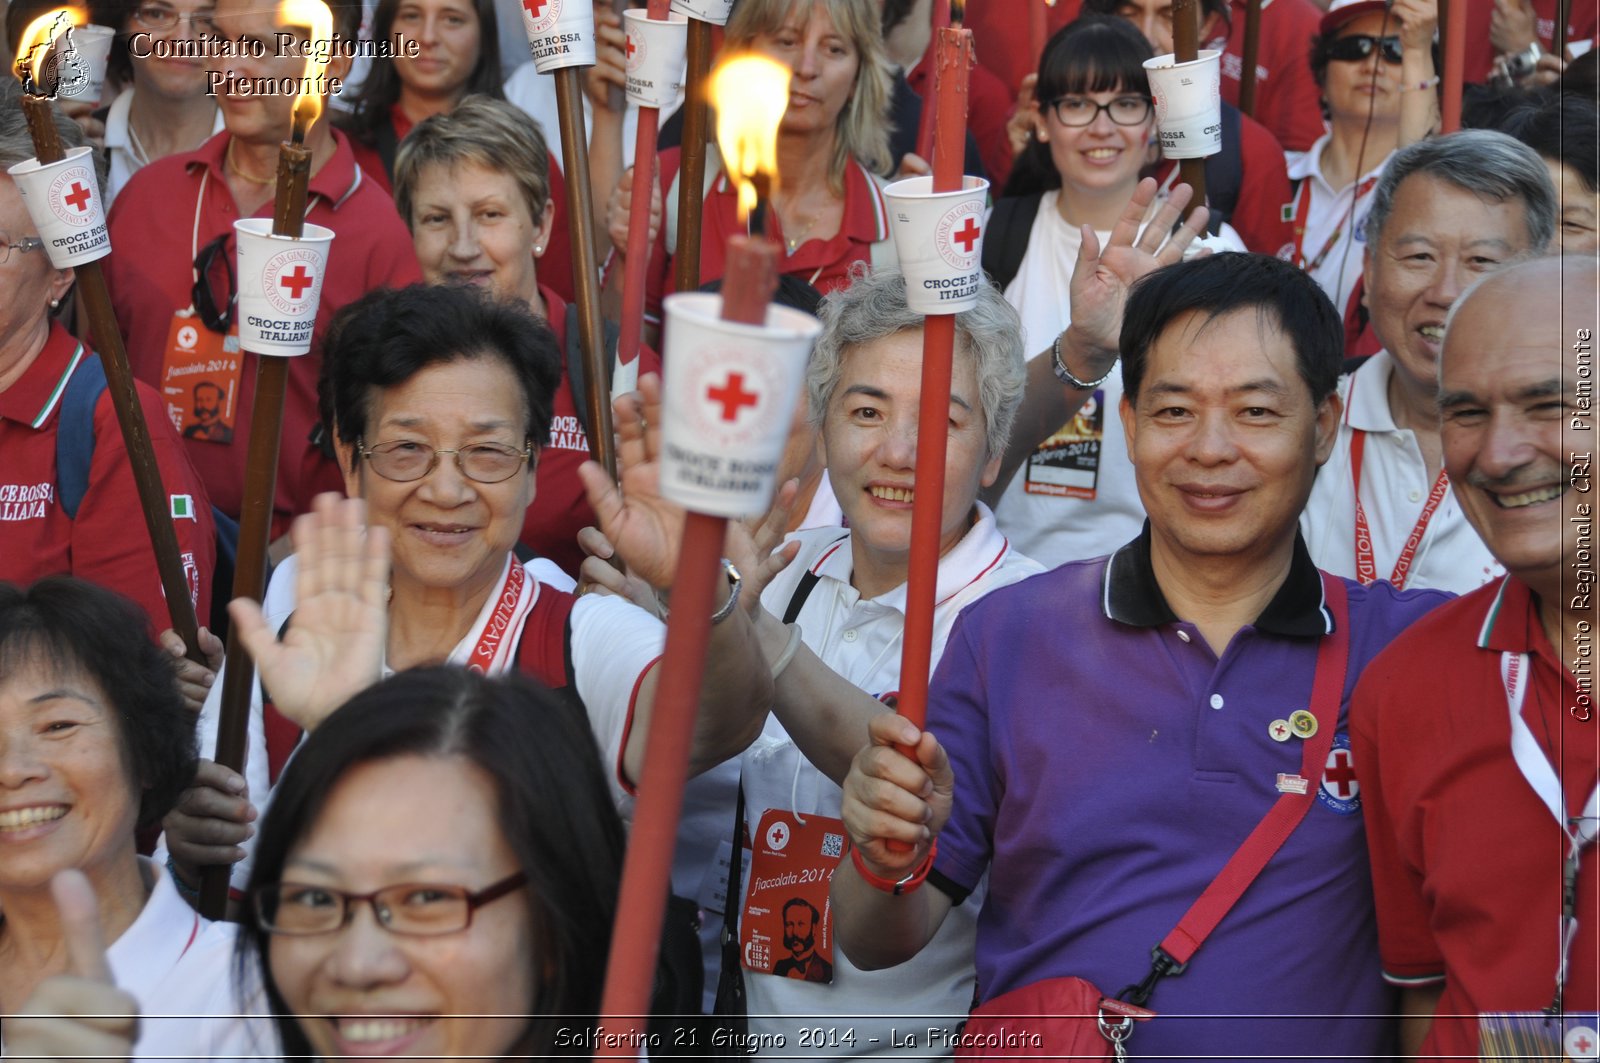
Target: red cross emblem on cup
732 397
542 14
958 234
72 198
290 279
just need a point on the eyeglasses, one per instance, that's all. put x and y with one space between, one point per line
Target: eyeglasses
403 461
1081 111
23 246
415 909
1359 46
211 265
162 17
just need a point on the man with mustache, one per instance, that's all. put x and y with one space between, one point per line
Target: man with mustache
1478 829
800 938
1446 211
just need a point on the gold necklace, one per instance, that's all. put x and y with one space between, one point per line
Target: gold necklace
233 168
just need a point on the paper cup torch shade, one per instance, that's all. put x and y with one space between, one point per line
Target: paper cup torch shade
938 237
729 403
1188 104
712 11
280 286
92 45
63 199
560 32
655 58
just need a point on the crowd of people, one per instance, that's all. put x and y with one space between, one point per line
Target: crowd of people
1261 721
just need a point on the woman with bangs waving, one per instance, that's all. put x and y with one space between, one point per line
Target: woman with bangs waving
1071 495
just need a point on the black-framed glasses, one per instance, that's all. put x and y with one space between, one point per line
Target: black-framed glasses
161 17
416 909
402 460
1081 110
1358 46
22 246
213 265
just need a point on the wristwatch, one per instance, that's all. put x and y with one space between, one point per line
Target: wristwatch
1519 65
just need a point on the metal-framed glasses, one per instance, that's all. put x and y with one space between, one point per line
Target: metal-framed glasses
402 460
22 246
1081 111
1358 46
416 909
161 17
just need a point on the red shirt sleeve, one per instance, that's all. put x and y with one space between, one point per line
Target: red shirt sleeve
1264 190
1405 938
110 545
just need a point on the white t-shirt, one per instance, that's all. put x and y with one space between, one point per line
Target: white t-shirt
1328 209
121 158
862 641
535 93
613 643
1394 489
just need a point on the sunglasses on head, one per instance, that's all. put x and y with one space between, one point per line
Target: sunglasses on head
212 265
1359 46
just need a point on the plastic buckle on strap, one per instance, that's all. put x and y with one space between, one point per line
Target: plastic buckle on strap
1161 966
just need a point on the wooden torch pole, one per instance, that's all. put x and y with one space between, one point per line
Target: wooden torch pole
1186 46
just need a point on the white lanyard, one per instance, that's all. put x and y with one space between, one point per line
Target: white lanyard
1579 830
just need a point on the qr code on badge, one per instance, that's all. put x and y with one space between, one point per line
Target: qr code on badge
832 844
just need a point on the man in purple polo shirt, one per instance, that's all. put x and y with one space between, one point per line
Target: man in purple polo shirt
1102 774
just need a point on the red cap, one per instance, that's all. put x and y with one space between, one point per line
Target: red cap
1342 11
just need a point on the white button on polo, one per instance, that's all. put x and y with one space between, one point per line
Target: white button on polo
1415 496
1216 701
850 635
1184 635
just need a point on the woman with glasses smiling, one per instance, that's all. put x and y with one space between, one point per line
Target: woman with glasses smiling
164 108
438 876
1374 63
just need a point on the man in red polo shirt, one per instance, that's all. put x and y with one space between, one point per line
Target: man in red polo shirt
171 213
1478 826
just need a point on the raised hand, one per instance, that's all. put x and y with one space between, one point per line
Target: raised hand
618 206
1102 277
194 680
334 647
1511 26
759 552
888 797
79 1014
1418 20
611 58
1025 122
598 575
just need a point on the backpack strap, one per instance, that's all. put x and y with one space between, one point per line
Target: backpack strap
1006 242
544 651
75 430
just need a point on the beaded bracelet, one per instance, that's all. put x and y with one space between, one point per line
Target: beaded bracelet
1420 86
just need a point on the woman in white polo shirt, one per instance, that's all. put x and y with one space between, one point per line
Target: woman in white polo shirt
95 742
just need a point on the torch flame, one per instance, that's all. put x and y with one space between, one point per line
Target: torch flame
958 12
317 20
750 93
37 41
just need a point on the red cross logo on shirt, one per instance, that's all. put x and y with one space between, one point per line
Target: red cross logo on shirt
78 197
297 282
732 396
968 235
1340 776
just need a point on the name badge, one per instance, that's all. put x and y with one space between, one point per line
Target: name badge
787 924
200 376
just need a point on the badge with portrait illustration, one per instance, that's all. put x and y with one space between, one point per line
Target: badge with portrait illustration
1067 465
1519 1036
786 928
200 375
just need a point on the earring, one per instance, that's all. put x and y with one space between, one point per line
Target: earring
538 249
1044 138
55 304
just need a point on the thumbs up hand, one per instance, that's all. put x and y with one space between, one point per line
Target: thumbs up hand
82 1012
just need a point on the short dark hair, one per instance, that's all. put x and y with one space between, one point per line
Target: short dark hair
1564 128
555 813
388 336
72 626
1092 53
1221 284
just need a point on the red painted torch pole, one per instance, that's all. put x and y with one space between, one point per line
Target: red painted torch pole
752 277
644 165
1455 64
953 63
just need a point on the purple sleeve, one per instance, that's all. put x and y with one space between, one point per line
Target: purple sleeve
958 715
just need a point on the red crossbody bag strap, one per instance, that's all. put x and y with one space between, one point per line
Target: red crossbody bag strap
1327 690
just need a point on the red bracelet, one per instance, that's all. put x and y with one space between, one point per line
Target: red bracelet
917 877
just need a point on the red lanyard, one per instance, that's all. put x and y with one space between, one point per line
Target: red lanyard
1302 212
500 625
1366 564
